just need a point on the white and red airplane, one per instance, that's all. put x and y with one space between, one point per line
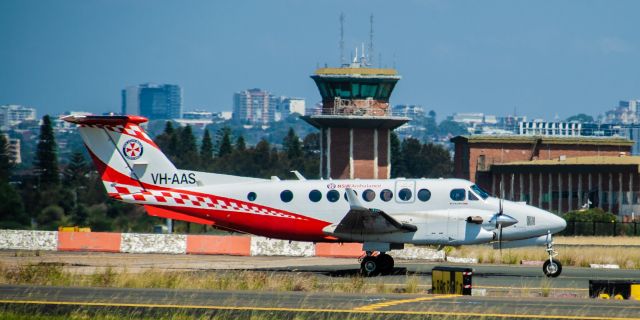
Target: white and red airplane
382 214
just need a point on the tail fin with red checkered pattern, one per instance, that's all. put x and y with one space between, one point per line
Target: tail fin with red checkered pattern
125 154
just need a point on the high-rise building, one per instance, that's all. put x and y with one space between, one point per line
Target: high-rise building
287 106
154 101
11 115
254 106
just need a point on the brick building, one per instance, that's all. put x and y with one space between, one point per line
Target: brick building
560 185
554 173
475 154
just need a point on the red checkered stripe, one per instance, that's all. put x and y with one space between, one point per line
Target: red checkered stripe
128 129
134 194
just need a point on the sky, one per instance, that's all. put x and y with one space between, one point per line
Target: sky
536 58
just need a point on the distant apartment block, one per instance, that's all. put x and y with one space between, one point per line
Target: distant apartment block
254 106
474 118
11 115
154 101
627 112
410 111
13 149
534 128
287 106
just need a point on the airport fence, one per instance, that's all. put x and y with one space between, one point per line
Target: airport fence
598 228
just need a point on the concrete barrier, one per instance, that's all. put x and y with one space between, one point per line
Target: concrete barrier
153 243
230 245
414 253
89 241
271 247
29 240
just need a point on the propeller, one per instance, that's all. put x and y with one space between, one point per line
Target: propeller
501 220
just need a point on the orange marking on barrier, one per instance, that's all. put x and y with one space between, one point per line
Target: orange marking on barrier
345 250
231 245
89 241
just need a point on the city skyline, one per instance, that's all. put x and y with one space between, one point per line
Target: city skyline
496 57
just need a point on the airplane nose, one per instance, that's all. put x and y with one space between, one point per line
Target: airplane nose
556 223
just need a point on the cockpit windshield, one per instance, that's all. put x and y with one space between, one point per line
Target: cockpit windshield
479 191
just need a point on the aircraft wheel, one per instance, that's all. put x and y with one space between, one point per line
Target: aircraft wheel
370 266
386 263
552 269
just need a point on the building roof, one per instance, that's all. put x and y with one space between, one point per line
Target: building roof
610 141
577 161
356 71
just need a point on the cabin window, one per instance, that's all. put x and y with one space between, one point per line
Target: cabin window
286 195
472 196
404 194
386 195
424 195
315 195
251 196
368 195
333 195
457 194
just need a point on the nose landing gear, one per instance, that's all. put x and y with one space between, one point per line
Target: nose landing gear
372 266
551 268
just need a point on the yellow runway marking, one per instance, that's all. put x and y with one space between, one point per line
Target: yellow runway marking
397 302
311 310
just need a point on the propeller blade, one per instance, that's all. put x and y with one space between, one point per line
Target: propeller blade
500 240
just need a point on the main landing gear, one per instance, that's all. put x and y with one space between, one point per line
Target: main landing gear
551 268
375 265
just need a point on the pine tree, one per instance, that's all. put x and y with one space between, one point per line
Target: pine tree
206 150
46 161
5 162
224 142
291 146
241 145
74 174
187 150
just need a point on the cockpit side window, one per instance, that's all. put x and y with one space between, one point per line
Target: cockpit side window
472 196
479 191
457 194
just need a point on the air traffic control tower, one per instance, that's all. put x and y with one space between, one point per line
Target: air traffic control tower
355 121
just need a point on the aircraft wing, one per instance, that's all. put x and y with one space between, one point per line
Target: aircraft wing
361 220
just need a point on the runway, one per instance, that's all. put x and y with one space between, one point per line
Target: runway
288 303
512 291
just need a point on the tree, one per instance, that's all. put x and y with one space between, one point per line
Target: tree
12 213
206 150
166 140
241 145
450 127
583 118
187 150
437 161
291 145
46 161
5 162
76 170
413 162
397 163
224 142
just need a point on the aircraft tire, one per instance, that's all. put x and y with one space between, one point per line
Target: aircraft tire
552 270
386 263
370 266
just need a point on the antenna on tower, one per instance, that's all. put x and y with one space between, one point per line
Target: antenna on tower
342 38
370 59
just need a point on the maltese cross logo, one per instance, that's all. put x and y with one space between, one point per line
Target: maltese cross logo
132 149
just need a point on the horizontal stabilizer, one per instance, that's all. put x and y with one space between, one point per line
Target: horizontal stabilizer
170 214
